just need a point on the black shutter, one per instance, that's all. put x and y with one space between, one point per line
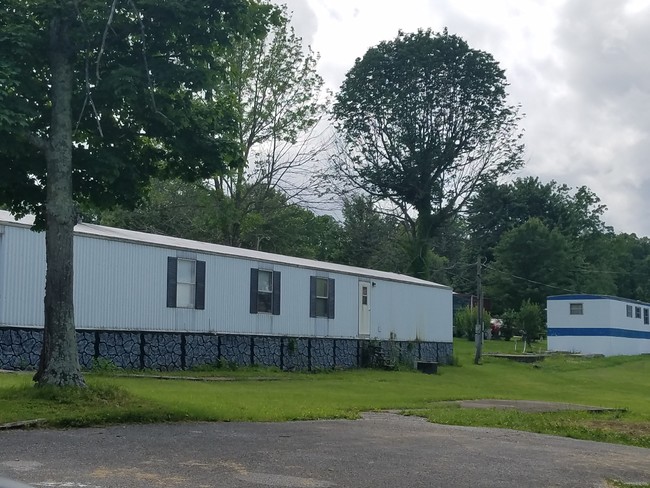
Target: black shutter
199 290
171 282
253 305
276 293
312 296
330 298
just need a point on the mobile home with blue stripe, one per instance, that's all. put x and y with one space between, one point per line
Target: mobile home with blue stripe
598 324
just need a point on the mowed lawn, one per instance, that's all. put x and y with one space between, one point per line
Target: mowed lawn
260 395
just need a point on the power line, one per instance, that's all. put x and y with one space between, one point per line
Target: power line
529 280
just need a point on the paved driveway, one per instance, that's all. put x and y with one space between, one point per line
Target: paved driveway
380 450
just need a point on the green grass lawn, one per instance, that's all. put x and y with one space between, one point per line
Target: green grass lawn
620 382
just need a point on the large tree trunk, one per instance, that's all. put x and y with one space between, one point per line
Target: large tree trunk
59 361
421 245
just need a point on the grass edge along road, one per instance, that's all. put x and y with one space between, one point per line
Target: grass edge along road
617 382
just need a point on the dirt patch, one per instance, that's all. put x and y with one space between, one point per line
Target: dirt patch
532 406
22 424
637 429
200 378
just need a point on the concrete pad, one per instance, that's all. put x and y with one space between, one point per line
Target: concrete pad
532 406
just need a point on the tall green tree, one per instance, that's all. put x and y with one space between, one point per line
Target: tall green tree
172 207
279 226
192 210
279 100
98 96
625 260
497 208
426 120
531 262
372 239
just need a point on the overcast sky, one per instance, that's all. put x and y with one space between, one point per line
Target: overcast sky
579 68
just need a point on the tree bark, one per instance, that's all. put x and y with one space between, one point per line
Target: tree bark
421 246
59 361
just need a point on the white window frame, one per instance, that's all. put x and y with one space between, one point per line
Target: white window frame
186 285
268 293
323 299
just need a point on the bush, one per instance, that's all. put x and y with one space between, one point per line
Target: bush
103 365
509 320
530 321
465 322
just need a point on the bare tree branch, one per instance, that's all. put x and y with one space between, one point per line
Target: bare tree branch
88 100
104 37
150 80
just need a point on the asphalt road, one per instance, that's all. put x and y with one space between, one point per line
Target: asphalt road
378 451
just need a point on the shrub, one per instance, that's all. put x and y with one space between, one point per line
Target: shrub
465 322
530 321
509 324
103 365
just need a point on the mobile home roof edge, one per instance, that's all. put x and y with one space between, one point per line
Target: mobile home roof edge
595 297
157 240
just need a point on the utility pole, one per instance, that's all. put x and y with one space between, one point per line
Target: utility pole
478 337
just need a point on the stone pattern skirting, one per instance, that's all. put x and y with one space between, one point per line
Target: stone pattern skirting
164 351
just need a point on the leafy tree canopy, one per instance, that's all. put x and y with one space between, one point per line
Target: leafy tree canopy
497 208
278 98
196 211
623 259
427 120
371 239
531 262
143 93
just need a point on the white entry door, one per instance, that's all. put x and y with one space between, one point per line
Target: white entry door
364 308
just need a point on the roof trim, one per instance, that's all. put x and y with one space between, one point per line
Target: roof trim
156 240
595 297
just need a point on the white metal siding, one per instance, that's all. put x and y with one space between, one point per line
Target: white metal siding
3 276
410 312
607 346
120 285
123 285
598 313
595 313
24 277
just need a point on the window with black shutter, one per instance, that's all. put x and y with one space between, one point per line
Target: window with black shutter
185 283
265 291
321 300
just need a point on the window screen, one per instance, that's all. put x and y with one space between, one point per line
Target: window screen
186 283
264 291
575 309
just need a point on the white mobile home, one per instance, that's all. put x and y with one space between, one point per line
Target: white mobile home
138 282
598 324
